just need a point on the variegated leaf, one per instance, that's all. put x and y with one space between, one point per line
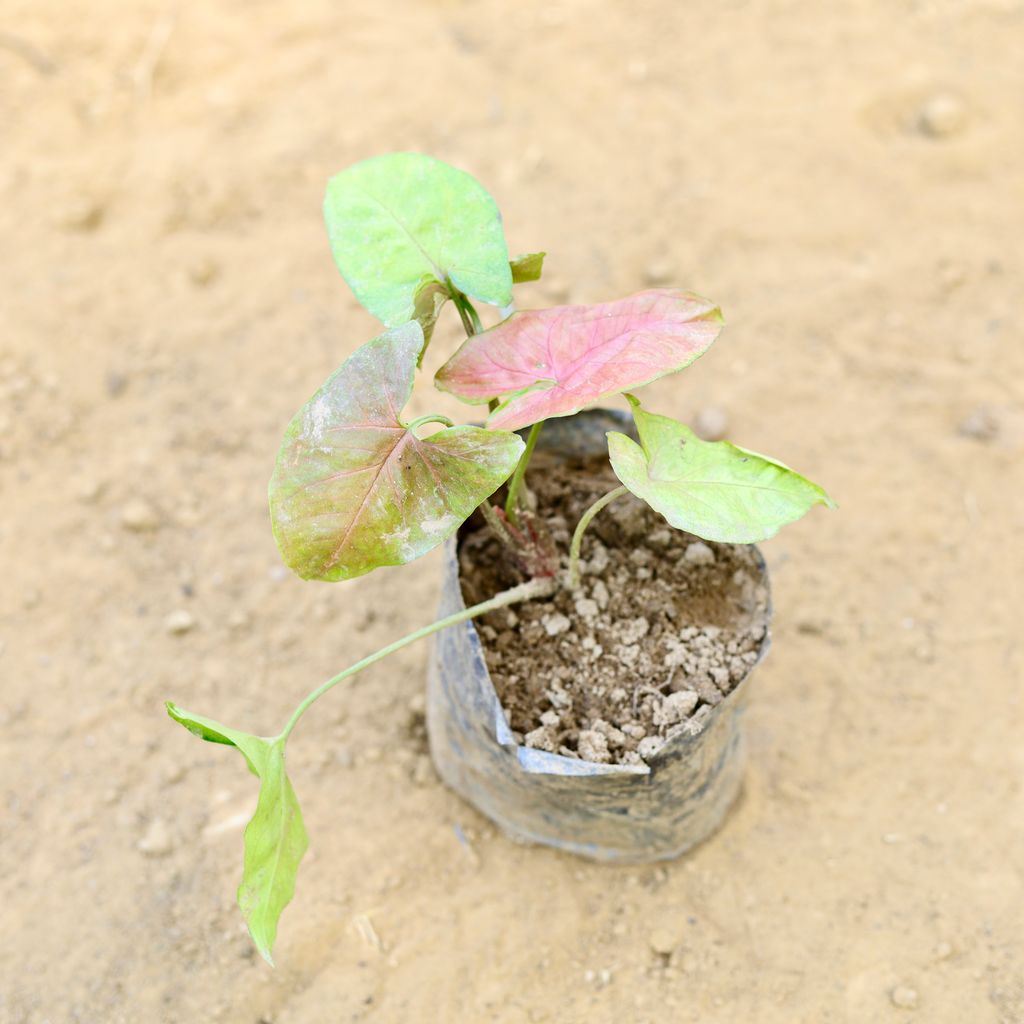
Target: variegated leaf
554 362
354 488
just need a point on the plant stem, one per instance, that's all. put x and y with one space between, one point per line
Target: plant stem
493 520
467 313
516 483
581 528
541 587
431 417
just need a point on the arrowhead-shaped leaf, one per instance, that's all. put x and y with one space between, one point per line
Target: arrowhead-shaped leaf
554 362
715 490
393 219
275 838
354 488
527 268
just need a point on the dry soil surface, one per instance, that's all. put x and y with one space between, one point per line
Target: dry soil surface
845 179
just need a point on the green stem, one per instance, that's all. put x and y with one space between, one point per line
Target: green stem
499 529
541 587
516 483
431 417
467 313
581 528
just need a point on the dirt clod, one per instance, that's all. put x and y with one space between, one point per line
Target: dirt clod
139 516
179 622
904 997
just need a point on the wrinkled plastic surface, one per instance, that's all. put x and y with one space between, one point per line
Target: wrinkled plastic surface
604 811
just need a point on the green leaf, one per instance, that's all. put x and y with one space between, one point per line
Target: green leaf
354 488
527 268
715 490
275 842
393 219
275 839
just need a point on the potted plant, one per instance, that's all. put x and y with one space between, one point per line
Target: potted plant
601 715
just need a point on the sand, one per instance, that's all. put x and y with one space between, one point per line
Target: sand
845 180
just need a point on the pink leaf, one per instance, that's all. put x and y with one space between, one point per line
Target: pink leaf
553 362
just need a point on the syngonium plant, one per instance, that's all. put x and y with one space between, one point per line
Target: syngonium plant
357 487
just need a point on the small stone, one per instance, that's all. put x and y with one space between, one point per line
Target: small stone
663 942
698 553
586 608
601 595
540 739
157 841
423 772
615 737
942 115
89 489
139 516
633 630
660 538
239 621
943 951
711 423
627 653
179 622
598 560
593 746
980 425
904 997
660 272
675 707
649 746
556 624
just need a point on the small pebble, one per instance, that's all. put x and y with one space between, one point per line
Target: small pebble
89 489
698 553
179 622
593 746
675 707
139 516
980 425
157 840
942 115
904 997
711 423
659 273
586 608
663 942
239 621
423 772
649 746
556 624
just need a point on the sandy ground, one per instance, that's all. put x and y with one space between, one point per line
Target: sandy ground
844 179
